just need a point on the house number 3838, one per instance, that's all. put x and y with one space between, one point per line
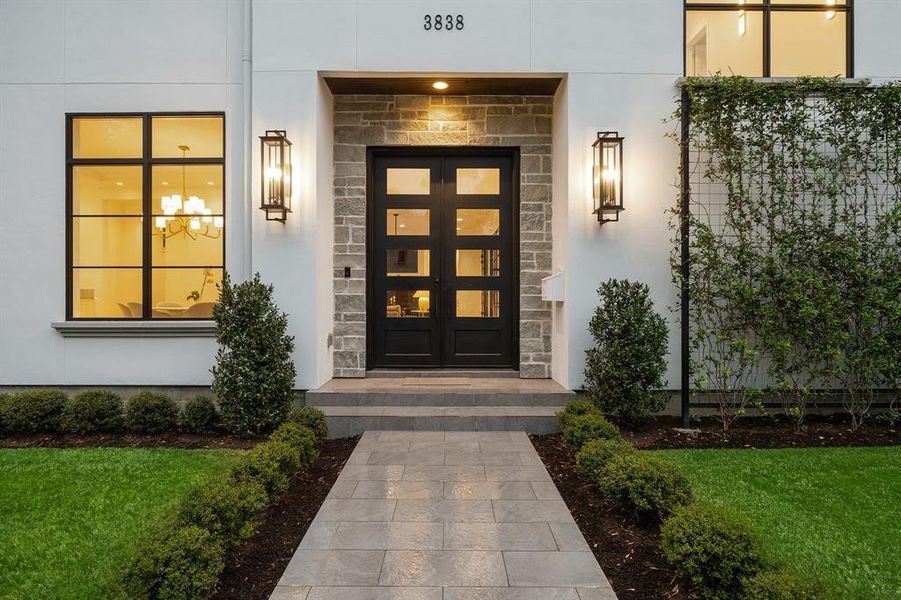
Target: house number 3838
442 22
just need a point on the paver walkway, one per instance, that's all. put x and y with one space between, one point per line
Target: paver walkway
434 515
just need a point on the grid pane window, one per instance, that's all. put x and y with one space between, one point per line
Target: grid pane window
146 227
768 38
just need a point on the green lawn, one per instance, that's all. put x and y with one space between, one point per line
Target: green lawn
833 514
70 519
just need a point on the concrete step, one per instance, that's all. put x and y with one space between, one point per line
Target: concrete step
353 420
473 373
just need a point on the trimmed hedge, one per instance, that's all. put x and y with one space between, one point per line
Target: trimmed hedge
575 408
34 411
581 429
597 453
650 486
780 585
199 415
309 417
93 410
715 549
226 509
4 398
149 412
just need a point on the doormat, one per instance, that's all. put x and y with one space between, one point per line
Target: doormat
437 381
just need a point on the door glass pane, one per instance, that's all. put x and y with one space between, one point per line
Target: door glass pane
478 303
408 221
185 293
408 303
107 137
408 263
724 41
478 221
203 182
107 293
478 181
107 190
202 136
478 263
808 43
413 182
106 241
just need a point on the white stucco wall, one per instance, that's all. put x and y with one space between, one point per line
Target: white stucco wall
620 59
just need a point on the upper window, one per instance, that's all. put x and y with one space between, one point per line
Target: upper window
146 213
768 38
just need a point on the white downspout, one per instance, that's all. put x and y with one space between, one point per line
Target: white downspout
247 81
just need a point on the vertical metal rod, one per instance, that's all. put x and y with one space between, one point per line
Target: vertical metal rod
685 209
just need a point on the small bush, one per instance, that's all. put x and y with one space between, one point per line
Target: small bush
780 585
713 548
596 453
33 411
199 415
309 417
224 508
582 429
575 408
149 412
646 484
93 410
300 438
181 563
4 398
268 464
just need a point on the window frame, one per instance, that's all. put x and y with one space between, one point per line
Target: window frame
767 8
146 162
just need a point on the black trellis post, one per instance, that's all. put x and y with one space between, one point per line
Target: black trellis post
685 209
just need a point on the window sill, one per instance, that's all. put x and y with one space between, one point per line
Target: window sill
847 81
135 329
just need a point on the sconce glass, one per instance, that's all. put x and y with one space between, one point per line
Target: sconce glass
607 176
275 157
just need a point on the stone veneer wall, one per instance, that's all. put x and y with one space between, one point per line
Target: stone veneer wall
387 120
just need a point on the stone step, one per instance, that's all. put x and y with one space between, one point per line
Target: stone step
473 373
345 421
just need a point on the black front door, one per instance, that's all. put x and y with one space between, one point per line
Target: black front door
443 260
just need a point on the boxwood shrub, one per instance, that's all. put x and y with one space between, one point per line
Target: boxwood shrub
596 453
224 508
309 417
780 585
650 486
199 415
33 411
714 548
575 408
3 400
93 410
581 429
150 412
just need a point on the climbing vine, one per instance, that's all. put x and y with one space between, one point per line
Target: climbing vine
795 242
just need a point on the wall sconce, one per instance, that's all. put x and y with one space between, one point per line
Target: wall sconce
275 158
607 176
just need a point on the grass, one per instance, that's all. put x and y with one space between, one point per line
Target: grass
70 519
831 514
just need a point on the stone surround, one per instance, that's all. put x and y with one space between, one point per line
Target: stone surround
387 120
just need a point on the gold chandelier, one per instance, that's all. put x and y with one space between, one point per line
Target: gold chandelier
185 215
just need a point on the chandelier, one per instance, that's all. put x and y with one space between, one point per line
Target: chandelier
185 215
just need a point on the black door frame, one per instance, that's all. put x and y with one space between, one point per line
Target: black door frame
373 152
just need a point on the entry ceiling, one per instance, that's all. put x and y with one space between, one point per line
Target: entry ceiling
456 86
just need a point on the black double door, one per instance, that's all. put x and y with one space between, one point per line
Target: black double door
442 258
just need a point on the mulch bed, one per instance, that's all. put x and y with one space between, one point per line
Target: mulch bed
253 569
627 551
130 440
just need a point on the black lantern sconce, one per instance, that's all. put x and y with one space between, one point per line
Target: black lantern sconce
275 175
607 176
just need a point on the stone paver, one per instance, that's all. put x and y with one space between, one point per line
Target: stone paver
443 516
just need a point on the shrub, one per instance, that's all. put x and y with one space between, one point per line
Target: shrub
780 585
624 370
93 410
180 563
584 428
309 417
300 438
225 509
199 415
4 398
575 408
646 484
32 411
596 453
254 373
715 549
149 412
268 464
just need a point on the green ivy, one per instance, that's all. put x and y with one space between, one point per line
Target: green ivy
795 283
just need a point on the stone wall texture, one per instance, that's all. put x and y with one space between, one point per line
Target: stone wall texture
388 120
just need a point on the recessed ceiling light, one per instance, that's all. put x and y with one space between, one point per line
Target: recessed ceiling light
440 85
209 183
119 183
165 183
